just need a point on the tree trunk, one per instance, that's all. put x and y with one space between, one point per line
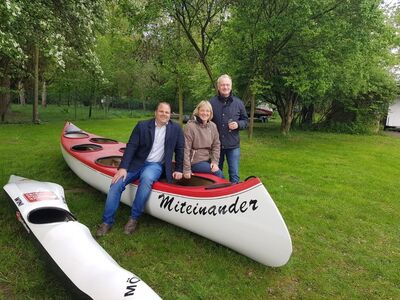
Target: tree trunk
180 99
209 73
144 103
179 81
75 104
286 124
44 94
286 107
307 114
4 97
90 110
252 109
92 98
69 96
35 117
21 92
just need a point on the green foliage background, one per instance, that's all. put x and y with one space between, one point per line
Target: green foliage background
330 59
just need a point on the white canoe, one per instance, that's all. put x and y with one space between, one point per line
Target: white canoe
242 217
42 210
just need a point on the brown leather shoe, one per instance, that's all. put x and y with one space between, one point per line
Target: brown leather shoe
130 227
103 229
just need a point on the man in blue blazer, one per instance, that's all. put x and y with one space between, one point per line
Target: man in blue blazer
148 153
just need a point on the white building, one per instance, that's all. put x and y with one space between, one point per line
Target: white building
393 117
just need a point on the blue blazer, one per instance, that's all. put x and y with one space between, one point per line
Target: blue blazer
141 141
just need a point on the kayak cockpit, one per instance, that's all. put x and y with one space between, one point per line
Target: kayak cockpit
101 140
109 161
86 148
76 135
47 215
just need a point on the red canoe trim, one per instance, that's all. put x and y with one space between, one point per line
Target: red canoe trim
201 193
89 159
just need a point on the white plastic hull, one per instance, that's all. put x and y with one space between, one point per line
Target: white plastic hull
70 244
247 221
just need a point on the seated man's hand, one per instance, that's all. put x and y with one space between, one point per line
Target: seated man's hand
177 175
121 173
187 175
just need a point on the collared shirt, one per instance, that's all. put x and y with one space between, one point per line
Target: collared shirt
157 151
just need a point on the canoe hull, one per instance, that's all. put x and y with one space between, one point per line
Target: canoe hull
242 217
69 244
236 221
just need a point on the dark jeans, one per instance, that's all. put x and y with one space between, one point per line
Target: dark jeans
232 157
204 167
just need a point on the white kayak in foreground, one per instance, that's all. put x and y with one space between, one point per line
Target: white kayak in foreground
242 217
42 210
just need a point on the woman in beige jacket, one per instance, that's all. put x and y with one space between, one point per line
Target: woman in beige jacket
202 145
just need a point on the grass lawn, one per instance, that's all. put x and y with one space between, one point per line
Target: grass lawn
339 195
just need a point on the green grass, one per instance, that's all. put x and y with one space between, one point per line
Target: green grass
339 195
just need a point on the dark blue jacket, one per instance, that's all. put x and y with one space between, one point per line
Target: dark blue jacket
224 110
141 141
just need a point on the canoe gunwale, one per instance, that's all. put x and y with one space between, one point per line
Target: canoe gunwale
90 159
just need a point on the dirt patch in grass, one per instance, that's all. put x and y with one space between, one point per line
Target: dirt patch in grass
288 287
6 291
392 133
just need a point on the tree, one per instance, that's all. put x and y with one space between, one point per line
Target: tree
295 52
164 52
202 22
11 52
56 29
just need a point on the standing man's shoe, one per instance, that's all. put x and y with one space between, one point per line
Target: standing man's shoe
130 227
103 229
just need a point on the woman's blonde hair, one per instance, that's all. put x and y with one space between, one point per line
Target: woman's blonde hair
201 104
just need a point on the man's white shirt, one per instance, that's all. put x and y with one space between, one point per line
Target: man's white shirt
157 151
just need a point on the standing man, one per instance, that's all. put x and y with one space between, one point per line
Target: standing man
148 153
230 116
